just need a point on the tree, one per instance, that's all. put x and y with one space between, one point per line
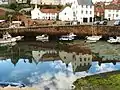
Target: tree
13 6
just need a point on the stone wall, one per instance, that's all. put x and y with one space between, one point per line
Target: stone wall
81 30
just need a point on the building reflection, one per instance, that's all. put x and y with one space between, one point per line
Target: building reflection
107 58
80 62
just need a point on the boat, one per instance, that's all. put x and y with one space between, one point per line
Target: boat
66 38
72 34
18 38
42 37
93 38
7 38
8 44
69 37
113 40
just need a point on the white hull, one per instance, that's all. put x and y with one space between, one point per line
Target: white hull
66 38
112 40
94 38
42 37
10 40
18 38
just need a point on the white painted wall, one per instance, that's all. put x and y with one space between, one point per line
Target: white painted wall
37 14
82 11
66 14
74 59
77 12
112 14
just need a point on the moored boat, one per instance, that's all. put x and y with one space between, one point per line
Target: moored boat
66 38
42 37
94 38
69 37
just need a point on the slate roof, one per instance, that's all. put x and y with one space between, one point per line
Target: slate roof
84 2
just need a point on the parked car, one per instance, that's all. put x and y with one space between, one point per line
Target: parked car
96 23
117 22
104 22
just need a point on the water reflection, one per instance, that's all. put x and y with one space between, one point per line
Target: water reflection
51 65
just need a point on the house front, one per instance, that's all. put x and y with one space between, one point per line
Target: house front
46 14
83 11
112 12
66 14
80 62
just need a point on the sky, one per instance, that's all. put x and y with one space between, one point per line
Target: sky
53 75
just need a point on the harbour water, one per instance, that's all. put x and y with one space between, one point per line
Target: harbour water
53 65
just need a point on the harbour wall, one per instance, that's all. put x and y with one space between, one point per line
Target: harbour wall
80 30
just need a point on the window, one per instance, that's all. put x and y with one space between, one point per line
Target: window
82 6
80 59
90 12
84 59
116 15
86 6
117 10
86 12
82 12
109 15
64 57
109 10
90 6
65 13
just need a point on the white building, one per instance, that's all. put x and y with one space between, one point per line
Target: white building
66 14
48 14
44 55
80 62
83 11
3 2
112 12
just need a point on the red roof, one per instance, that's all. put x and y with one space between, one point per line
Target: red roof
2 12
116 1
99 9
49 10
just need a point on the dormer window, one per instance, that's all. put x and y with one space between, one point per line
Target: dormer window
82 6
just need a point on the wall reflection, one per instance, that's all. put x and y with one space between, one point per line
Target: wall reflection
78 55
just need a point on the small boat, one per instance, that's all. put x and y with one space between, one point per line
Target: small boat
18 38
66 38
113 40
42 37
72 35
8 44
10 40
94 38
7 38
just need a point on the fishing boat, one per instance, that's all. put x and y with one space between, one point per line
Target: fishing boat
66 38
7 38
69 37
18 38
93 38
42 37
113 40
